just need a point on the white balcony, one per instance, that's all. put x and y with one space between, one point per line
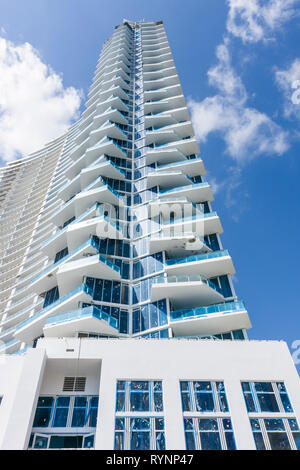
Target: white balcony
78 233
204 224
33 326
191 167
103 168
163 155
86 199
112 101
48 279
166 118
196 192
177 246
157 83
89 319
110 114
213 264
167 179
212 320
69 275
186 291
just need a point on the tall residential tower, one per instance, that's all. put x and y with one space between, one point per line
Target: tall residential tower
119 319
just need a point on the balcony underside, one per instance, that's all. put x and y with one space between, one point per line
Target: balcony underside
167 179
81 231
186 294
69 275
177 246
104 168
212 267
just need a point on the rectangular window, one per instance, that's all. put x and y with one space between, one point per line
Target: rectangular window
139 433
270 397
203 396
139 396
275 433
66 412
48 441
209 434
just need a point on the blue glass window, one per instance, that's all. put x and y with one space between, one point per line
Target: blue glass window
275 433
61 254
139 396
266 397
66 411
79 412
51 296
209 434
140 433
149 316
43 412
61 412
203 396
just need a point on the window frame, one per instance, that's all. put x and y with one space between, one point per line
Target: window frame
69 418
276 393
265 433
196 431
216 395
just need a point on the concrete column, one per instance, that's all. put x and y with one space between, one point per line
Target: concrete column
20 421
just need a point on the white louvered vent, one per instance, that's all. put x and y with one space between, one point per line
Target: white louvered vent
74 384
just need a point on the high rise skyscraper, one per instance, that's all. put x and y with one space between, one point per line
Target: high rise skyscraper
117 305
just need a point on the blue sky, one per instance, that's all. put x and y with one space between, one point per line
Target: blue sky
238 61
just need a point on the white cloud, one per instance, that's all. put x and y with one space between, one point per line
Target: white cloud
246 131
34 105
256 20
289 82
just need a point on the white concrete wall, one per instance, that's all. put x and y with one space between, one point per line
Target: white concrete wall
166 360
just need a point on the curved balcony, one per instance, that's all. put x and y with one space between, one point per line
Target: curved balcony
202 224
176 246
85 319
107 129
192 167
166 118
103 194
216 263
159 82
159 74
167 179
104 168
211 320
196 192
186 290
110 114
154 67
178 130
114 102
101 226
70 274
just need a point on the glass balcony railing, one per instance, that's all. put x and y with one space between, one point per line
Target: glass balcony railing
200 257
184 188
180 163
180 315
186 278
94 311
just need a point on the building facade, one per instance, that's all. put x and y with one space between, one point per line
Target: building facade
120 326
